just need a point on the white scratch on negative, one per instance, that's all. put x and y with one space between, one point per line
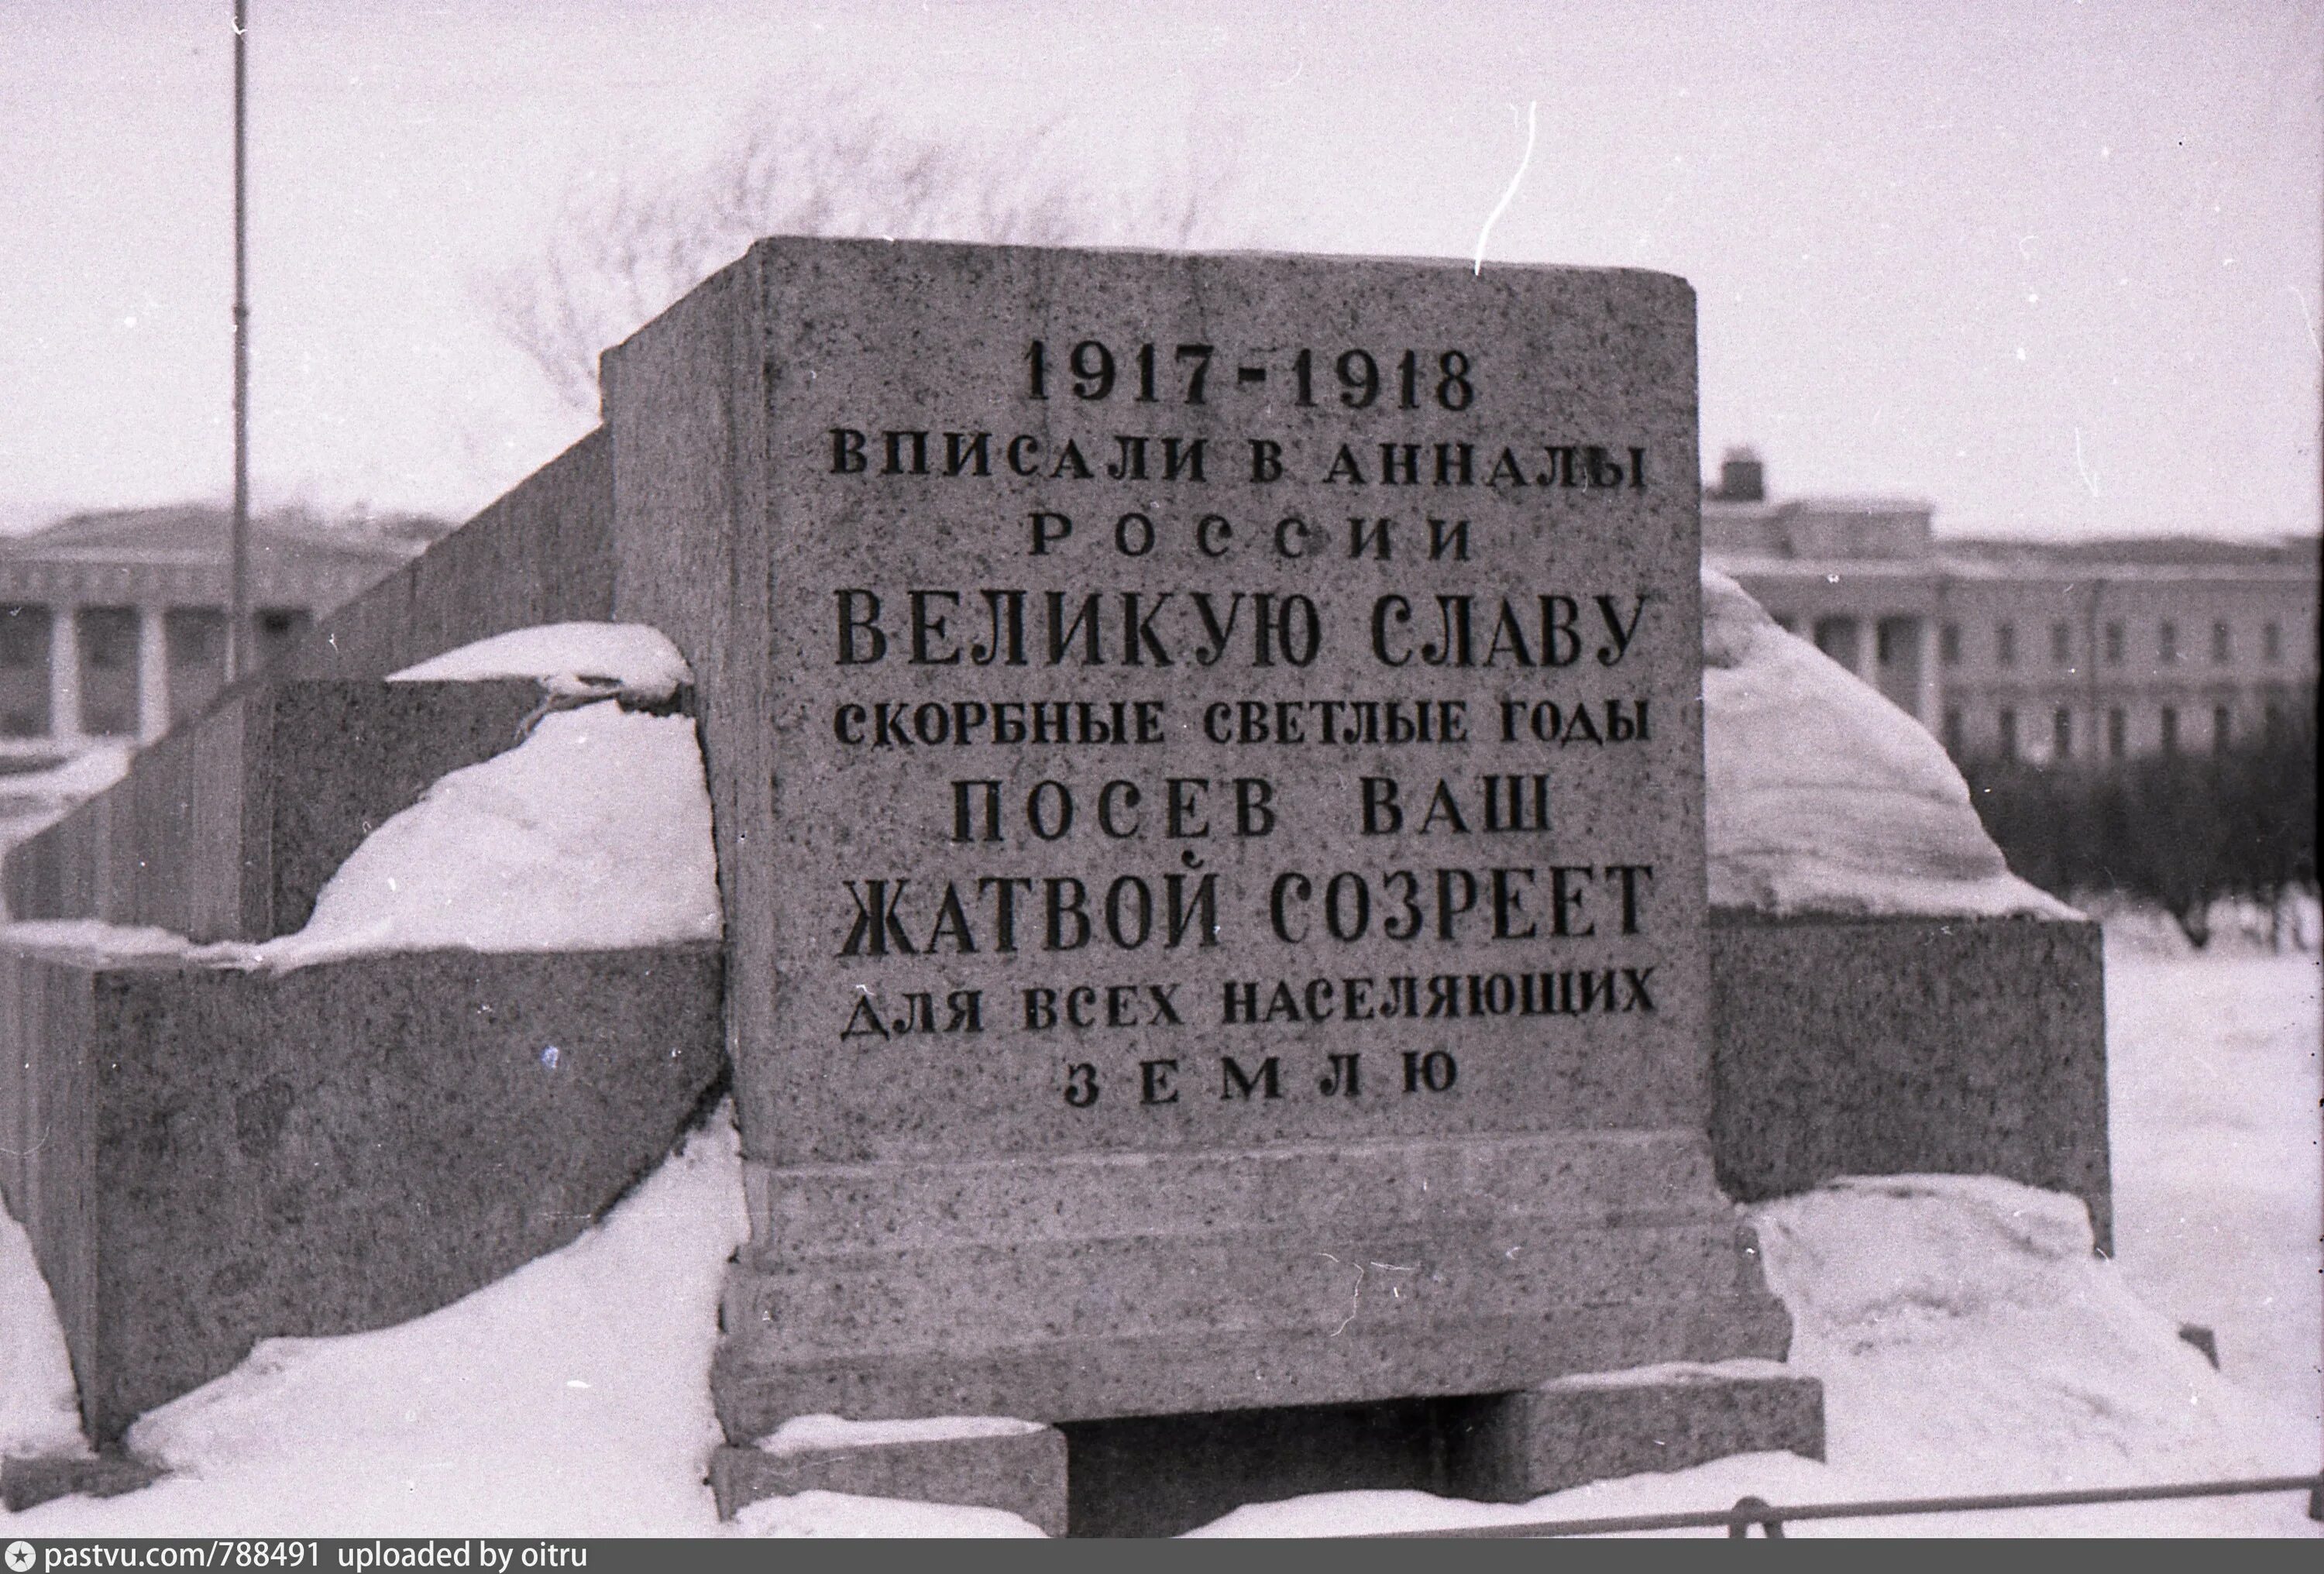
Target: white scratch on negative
2088 479
2307 318
1502 207
1355 1302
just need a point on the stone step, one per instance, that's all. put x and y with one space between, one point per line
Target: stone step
228 828
759 1382
973 1299
205 1157
1576 1178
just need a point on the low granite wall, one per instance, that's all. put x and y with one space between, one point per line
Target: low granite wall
204 1158
542 553
229 827
1872 1047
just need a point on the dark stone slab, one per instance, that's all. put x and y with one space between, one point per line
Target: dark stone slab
1023 1473
228 828
29 1480
1877 1047
204 1158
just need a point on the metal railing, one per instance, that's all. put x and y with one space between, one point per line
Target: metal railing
1755 1511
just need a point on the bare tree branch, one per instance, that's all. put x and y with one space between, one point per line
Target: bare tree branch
621 252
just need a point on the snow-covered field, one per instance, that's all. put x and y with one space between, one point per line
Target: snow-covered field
1965 1338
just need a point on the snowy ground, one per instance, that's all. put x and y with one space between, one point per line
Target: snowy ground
1966 1339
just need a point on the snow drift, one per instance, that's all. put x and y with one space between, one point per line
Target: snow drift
1823 797
592 833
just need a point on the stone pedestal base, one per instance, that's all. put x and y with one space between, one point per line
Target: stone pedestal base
1598 1426
1022 1472
1084 1287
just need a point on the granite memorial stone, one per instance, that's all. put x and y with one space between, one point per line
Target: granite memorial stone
1207 762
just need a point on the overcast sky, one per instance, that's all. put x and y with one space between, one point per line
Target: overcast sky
2054 266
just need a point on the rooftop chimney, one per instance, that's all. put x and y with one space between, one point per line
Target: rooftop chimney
1741 477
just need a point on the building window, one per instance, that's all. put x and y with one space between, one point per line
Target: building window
2117 733
2223 644
2062 734
108 671
2114 644
2270 642
2062 644
1840 639
2008 725
25 633
1953 730
2170 729
2222 728
1949 644
2005 644
2167 641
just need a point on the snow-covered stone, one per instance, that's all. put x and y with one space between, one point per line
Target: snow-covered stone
804 1433
1966 1336
845 1515
1823 797
39 1413
592 835
575 658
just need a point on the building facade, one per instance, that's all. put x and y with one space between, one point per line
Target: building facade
113 626
2090 651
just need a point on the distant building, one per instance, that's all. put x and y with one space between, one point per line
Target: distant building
2091 652
113 625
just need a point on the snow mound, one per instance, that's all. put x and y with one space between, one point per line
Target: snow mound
583 658
1970 1339
1823 797
40 1410
571 1398
842 1514
593 834
805 1433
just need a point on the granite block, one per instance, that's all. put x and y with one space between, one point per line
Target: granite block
1390 572
1599 1426
1022 1473
205 1157
228 828
1875 1046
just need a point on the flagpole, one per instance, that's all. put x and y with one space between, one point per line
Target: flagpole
237 637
